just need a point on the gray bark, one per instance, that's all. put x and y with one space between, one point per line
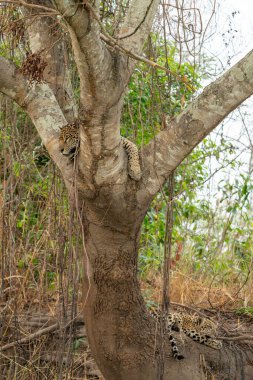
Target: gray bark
136 26
39 102
45 38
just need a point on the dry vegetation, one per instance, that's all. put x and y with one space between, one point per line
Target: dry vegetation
42 330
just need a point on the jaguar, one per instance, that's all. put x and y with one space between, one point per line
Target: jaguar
201 330
69 143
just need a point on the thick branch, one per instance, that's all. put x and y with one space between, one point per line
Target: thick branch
94 62
172 145
46 38
30 337
137 25
40 104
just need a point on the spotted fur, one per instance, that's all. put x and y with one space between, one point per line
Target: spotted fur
134 168
69 140
201 330
69 143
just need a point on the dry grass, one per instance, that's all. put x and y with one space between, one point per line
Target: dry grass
203 293
40 255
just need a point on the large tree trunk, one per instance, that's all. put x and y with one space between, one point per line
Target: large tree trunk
124 338
114 308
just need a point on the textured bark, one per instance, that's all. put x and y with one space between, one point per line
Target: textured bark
46 38
136 26
41 105
123 338
96 65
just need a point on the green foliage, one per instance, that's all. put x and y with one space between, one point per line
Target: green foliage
248 311
77 343
154 93
38 224
216 239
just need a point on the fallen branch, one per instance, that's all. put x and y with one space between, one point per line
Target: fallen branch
36 321
235 338
27 339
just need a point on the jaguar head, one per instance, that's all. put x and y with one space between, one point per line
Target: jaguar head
69 140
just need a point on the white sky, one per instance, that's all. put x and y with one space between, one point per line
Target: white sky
242 22
227 38
238 126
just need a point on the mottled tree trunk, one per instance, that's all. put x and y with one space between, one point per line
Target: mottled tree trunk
115 314
114 308
124 339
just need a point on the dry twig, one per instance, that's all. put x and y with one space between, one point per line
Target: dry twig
27 339
114 43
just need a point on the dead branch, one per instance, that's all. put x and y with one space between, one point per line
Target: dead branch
113 42
30 337
236 338
30 5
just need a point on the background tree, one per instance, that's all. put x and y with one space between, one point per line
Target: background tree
110 205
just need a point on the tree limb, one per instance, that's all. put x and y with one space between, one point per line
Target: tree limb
168 149
236 338
47 39
115 44
93 60
40 7
137 24
41 105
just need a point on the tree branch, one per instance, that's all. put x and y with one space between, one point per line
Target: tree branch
236 338
115 44
167 150
30 337
94 62
47 39
137 24
41 105
40 7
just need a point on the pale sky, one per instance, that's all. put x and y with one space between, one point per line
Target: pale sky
236 31
242 21
238 126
